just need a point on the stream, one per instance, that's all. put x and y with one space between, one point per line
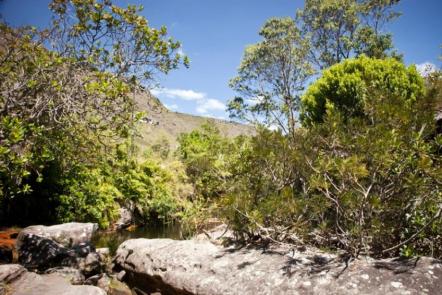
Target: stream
112 239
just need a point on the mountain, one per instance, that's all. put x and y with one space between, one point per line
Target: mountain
161 123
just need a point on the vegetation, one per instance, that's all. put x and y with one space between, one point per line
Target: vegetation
338 29
67 109
351 162
349 87
366 181
271 76
362 173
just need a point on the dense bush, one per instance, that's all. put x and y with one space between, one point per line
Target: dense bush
66 106
89 197
95 194
348 185
347 87
366 182
204 153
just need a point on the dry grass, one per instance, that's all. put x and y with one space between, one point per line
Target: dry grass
160 123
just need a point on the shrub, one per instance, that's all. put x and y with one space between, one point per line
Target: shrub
349 86
204 154
365 179
90 197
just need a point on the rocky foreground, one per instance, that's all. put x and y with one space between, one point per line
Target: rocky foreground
58 260
61 260
200 267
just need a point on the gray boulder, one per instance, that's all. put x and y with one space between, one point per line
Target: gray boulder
15 280
91 265
73 275
10 272
200 267
113 286
126 218
67 234
42 247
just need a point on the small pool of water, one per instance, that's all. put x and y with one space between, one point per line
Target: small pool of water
111 240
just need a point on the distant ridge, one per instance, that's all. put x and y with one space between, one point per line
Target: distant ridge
161 123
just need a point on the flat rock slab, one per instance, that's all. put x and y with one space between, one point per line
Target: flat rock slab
10 272
67 234
200 267
15 280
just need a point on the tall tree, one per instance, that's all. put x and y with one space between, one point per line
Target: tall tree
65 91
271 76
111 38
339 29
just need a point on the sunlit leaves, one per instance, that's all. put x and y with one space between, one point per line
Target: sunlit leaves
115 39
271 76
356 85
340 29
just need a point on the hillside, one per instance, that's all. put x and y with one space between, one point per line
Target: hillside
160 123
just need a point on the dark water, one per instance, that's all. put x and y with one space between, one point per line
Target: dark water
113 239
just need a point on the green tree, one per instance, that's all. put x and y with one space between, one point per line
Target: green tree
204 154
349 86
66 97
339 29
113 39
271 77
364 177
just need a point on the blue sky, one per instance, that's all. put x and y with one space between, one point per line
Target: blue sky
214 34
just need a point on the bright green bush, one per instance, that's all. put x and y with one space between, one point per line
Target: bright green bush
204 153
349 86
67 105
95 194
90 197
367 182
148 186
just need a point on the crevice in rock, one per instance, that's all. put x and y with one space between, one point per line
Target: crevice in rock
151 284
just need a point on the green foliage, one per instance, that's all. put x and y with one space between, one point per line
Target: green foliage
366 178
271 76
162 148
350 87
260 191
149 187
95 194
14 163
119 40
66 106
340 29
379 183
204 154
90 197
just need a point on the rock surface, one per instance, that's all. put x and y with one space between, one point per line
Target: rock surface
113 286
126 218
42 247
10 272
67 234
15 280
200 267
73 275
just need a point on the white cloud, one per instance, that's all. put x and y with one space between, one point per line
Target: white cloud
204 105
273 127
210 104
172 107
180 51
426 68
184 94
215 117
255 100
